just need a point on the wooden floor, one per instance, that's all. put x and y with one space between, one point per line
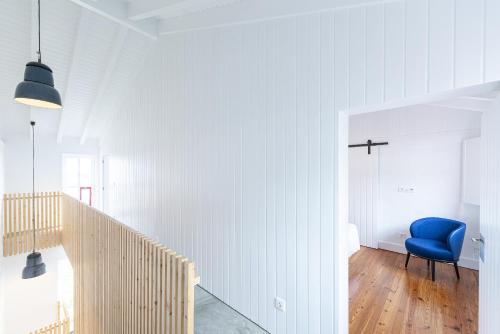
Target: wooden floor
386 298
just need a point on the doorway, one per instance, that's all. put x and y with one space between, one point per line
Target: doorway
374 212
79 177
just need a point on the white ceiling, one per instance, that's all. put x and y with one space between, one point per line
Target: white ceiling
160 17
95 49
165 9
91 56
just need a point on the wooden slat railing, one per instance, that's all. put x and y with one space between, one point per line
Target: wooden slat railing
61 326
124 282
18 227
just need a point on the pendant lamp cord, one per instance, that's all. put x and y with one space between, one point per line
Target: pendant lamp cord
39 36
33 198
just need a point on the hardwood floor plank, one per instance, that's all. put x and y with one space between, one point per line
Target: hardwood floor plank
386 298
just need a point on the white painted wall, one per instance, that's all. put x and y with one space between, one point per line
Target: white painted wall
425 152
471 189
48 162
225 149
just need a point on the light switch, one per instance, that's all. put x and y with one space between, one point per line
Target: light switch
406 189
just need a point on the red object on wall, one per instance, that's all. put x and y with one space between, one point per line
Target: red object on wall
90 194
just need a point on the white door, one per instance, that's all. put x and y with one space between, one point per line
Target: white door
364 193
489 270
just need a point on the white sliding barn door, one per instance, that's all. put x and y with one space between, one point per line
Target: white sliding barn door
364 193
489 270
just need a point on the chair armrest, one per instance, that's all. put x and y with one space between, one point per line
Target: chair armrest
455 241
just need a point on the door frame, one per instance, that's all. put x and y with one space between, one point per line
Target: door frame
489 291
103 162
341 282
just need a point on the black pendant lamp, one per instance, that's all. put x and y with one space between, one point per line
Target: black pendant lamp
37 89
34 263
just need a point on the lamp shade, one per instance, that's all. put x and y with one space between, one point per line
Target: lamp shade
37 89
34 266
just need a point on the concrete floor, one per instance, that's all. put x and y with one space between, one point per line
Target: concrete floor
212 316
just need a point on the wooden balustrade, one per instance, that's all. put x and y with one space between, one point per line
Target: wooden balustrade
61 326
124 282
18 225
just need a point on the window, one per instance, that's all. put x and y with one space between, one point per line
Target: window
79 176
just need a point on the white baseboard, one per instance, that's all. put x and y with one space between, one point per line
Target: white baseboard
392 246
465 262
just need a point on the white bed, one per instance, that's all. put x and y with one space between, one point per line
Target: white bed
352 239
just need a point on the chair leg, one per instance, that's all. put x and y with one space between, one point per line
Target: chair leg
407 260
428 263
456 270
433 265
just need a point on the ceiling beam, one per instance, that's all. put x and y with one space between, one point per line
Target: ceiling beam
140 10
117 11
105 82
253 11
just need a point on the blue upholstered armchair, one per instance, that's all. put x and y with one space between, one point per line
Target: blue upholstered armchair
436 239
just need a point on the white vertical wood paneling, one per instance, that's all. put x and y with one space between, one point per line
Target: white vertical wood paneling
226 146
441 45
341 59
469 42
395 26
375 62
492 46
250 159
417 32
285 130
271 174
327 53
304 120
489 272
357 56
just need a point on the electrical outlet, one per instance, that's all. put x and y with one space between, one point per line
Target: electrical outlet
403 235
279 304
